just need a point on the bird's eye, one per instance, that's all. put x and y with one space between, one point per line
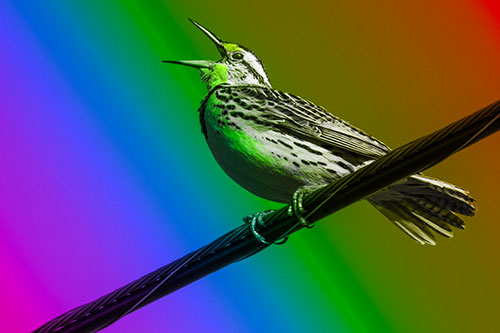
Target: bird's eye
237 56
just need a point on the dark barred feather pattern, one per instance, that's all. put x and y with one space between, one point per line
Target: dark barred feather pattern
422 204
419 205
297 117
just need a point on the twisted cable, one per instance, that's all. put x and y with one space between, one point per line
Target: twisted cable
240 243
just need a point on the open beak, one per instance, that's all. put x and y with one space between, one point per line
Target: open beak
202 63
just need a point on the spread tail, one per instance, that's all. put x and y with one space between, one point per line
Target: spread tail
420 205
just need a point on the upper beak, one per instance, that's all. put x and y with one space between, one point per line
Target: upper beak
202 63
218 43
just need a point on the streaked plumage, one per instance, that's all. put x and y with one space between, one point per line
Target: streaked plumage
273 143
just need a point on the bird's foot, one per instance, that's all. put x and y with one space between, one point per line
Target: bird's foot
257 218
296 207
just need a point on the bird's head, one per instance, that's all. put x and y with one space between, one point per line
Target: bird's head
238 66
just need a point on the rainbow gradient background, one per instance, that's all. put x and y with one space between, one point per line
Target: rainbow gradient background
105 175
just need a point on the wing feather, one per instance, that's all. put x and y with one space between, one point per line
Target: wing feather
311 122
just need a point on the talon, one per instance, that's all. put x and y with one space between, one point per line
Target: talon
299 198
257 218
296 206
257 236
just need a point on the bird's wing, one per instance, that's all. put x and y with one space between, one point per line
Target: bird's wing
311 122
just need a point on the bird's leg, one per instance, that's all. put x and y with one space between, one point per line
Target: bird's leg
296 208
256 218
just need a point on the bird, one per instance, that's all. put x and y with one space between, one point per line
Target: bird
280 147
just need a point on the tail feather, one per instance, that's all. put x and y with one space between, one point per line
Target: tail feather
439 226
436 222
436 213
437 193
421 205
441 186
405 220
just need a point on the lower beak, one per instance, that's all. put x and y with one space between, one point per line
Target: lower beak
190 63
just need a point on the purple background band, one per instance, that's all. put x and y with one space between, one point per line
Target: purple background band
105 176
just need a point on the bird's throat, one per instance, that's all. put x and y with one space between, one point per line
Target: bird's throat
213 76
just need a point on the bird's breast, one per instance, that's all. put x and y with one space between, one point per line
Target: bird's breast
263 160
235 140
